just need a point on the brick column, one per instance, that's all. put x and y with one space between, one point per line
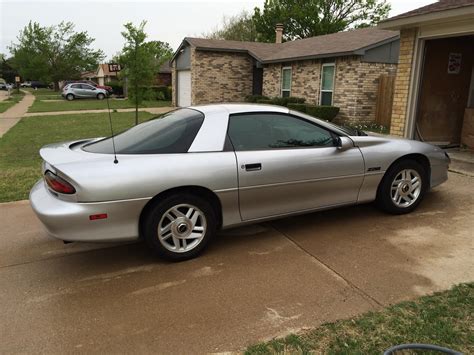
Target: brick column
402 82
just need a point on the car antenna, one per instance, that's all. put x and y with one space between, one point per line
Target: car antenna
111 130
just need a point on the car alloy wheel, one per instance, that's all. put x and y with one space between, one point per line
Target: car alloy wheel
182 228
70 97
406 188
100 96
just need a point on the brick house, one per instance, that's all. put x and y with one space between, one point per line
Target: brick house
434 86
340 69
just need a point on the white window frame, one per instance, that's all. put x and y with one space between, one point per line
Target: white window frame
291 79
321 82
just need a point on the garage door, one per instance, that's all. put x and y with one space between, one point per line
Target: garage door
184 88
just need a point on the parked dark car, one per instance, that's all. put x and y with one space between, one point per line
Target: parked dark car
35 84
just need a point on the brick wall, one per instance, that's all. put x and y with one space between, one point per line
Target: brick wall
220 77
355 85
355 88
271 80
402 82
304 81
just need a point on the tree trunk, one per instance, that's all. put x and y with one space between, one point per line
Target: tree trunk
136 104
56 86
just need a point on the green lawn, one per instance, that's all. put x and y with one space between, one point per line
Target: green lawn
41 92
84 104
20 162
444 319
6 104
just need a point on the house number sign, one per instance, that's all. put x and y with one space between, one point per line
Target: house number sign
454 63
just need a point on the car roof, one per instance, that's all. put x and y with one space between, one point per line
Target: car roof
239 108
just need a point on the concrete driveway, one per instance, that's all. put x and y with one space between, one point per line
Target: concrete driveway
252 284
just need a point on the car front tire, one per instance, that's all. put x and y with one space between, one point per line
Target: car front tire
100 96
179 227
403 187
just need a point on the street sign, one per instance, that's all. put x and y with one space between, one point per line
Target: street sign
114 67
17 79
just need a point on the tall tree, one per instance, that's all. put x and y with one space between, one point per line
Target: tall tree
7 71
308 18
53 53
140 61
236 28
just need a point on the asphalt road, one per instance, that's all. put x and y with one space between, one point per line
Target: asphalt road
252 284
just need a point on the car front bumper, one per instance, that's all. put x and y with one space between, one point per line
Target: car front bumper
69 221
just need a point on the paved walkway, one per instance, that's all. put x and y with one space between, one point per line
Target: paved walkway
154 110
252 284
10 117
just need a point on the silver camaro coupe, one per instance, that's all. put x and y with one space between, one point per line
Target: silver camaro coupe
179 178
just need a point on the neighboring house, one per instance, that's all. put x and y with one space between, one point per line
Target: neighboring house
340 69
434 87
102 75
163 77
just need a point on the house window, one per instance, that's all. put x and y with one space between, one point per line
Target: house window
285 82
327 84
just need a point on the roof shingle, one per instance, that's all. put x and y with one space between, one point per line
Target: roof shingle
441 5
341 43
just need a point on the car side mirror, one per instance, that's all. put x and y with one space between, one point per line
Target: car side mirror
344 143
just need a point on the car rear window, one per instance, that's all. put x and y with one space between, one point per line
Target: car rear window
171 133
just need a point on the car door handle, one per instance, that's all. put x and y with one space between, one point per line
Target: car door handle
253 167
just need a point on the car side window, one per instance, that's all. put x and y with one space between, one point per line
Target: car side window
76 86
265 131
87 87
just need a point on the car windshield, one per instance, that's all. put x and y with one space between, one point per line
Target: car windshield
171 133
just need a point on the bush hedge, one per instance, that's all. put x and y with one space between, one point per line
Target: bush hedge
255 98
266 102
327 113
297 107
163 93
117 87
281 101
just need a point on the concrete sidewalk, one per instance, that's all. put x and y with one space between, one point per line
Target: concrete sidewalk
154 110
253 283
10 117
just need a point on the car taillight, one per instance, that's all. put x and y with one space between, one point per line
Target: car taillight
58 184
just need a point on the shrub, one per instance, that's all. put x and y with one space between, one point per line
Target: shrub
295 100
267 102
162 92
297 107
117 87
323 112
255 98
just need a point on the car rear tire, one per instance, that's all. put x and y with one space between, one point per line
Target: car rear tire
70 97
403 187
180 226
100 96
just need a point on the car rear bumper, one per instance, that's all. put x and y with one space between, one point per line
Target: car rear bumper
69 221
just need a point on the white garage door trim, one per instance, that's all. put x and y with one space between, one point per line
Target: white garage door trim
184 88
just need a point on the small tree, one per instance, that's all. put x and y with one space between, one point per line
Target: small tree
140 61
54 53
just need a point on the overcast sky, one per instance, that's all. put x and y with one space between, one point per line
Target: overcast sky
168 21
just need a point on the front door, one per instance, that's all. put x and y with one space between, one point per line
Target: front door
287 164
